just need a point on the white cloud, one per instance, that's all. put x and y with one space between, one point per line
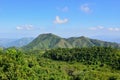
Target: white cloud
60 21
85 8
97 28
103 28
19 28
111 29
100 27
25 27
114 29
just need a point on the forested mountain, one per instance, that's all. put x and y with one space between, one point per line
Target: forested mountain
49 41
46 41
87 42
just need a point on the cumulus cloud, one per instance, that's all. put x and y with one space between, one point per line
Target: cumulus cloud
85 8
60 21
25 27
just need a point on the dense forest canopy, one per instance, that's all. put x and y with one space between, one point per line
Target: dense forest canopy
95 63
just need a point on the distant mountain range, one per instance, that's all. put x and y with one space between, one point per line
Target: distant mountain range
4 41
48 41
14 42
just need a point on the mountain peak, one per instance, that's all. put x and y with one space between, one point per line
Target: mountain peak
46 41
49 40
83 37
48 35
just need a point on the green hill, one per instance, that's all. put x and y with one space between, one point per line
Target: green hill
49 41
87 42
80 42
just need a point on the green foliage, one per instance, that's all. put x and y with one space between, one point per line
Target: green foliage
1 49
88 56
49 41
31 65
11 51
112 78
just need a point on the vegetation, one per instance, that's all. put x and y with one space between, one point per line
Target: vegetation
96 63
50 41
90 56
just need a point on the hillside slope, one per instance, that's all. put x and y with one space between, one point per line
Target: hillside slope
46 41
49 41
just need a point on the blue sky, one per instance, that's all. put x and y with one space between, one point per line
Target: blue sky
29 18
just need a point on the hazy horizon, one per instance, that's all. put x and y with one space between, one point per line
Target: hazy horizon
108 39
